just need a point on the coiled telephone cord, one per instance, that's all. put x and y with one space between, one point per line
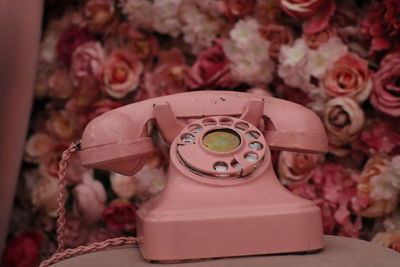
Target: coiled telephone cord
63 253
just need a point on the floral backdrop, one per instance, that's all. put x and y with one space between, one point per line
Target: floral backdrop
339 58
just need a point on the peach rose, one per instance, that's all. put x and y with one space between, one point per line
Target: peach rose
121 73
375 207
349 76
89 198
388 239
143 45
63 125
86 94
123 186
48 164
386 94
44 195
278 35
301 9
315 40
343 119
99 13
39 144
60 85
295 167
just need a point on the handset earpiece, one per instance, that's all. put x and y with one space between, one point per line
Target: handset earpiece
110 142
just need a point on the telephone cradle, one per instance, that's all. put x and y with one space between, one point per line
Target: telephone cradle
222 197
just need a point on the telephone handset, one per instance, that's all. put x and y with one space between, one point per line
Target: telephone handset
222 197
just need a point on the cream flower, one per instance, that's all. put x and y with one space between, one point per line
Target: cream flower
123 186
248 53
44 195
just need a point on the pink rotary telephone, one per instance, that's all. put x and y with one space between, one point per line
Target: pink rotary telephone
222 197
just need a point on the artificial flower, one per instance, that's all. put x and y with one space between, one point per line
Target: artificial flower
39 144
69 40
315 40
380 136
301 9
89 198
99 13
44 195
60 84
236 8
120 215
385 95
123 186
343 119
296 167
382 25
120 73
87 60
277 35
348 76
63 125
211 69
248 53
370 187
23 250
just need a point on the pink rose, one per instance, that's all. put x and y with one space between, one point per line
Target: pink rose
99 14
69 41
315 40
382 25
39 144
301 9
23 250
374 208
295 167
60 85
121 73
348 76
63 125
89 198
169 77
236 8
386 93
87 60
120 215
381 136
343 119
211 69
278 35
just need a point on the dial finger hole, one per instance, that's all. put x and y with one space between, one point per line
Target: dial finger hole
252 135
251 157
226 121
255 146
242 126
209 122
236 164
187 138
220 166
195 128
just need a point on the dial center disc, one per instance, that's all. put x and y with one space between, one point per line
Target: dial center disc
221 140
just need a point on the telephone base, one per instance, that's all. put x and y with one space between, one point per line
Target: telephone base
180 236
